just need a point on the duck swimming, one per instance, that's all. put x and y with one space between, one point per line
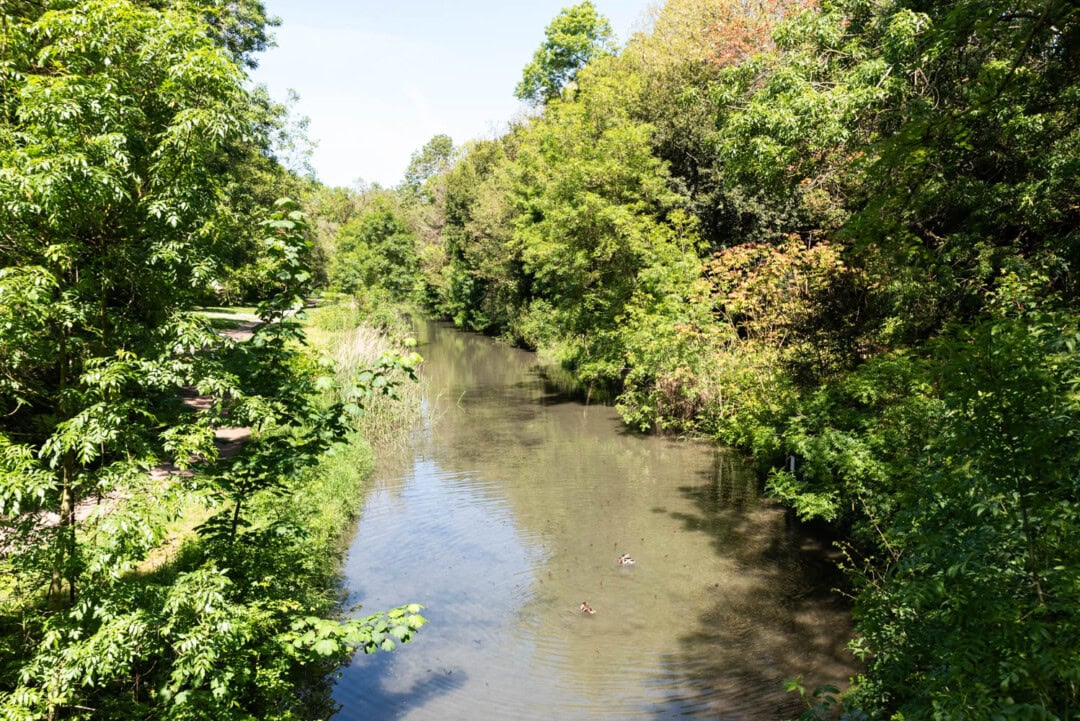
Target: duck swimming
625 560
587 609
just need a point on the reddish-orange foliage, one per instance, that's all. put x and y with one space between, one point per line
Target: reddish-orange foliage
765 291
740 28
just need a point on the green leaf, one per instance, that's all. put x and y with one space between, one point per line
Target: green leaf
326 647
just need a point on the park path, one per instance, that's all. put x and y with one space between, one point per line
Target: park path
228 440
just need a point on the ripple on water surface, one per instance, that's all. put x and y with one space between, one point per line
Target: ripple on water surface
510 511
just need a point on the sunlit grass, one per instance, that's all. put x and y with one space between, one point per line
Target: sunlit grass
331 500
194 511
332 493
228 318
245 312
341 331
7 584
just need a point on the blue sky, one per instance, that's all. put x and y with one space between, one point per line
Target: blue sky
379 79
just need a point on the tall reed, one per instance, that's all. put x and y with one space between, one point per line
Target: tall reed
347 334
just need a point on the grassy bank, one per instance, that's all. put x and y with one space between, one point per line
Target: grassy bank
343 332
357 335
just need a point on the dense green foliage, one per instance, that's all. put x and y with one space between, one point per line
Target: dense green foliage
127 139
377 250
575 37
841 235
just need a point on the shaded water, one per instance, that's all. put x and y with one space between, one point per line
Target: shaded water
511 507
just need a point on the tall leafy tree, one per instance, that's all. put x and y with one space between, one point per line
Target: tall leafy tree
594 211
700 59
242 27
479 281
117 119
577 35
429 162
375 252
122 131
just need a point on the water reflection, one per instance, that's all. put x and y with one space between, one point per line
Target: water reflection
511 508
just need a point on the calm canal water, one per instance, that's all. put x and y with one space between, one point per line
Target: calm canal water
510 508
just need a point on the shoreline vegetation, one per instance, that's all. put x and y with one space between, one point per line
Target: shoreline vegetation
138 178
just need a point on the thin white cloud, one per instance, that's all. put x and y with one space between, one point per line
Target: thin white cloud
421 107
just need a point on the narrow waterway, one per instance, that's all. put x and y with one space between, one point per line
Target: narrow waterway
510 508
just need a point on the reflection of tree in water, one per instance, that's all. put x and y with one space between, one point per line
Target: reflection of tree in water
770 614
792 623
708 622
377 693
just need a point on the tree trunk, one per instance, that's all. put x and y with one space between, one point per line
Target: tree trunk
65 542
